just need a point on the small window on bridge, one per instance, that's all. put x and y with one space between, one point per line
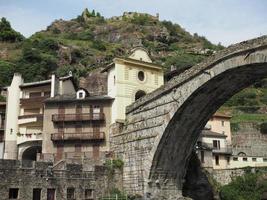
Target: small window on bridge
13 193
36 194
245 159
254 159
70 193
202 156
217 160
235 158
264 159
88 194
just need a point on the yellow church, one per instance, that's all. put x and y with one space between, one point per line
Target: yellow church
131 78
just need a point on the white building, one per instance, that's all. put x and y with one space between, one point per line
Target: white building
24 114
131 78
214 147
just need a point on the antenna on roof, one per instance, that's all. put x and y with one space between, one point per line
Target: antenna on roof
70 73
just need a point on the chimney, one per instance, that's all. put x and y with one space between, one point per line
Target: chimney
53 85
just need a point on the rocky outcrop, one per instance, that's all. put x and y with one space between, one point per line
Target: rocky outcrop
95 82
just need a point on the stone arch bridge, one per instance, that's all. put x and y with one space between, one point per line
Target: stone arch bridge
162 127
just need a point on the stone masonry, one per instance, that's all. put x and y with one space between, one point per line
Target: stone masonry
27 176
162 127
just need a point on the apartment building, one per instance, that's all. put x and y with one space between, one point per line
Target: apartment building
214 144
25 109
214 150
214 147
76 127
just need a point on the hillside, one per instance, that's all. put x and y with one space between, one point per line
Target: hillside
90 42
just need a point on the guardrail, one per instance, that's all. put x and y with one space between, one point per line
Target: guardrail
78 117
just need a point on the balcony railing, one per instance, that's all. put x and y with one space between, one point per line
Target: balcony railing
223 150
78 117
78 136
38 116
32 100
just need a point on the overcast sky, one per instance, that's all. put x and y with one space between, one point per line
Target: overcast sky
225 21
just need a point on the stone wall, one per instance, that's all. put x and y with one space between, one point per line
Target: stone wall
162 127
249 140
225 176
27 175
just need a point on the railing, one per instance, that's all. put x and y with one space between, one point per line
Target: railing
32 100
78 117
38 116
226 150
78 136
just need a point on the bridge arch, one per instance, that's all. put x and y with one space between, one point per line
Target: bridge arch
164 125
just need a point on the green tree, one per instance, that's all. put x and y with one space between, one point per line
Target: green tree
7 34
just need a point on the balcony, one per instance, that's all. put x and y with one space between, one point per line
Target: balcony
94 136
78 117
24 119
33 101
217 150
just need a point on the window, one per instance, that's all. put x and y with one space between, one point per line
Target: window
217 160
222 123
216 144
35 94
80 95
254 159
13 193
88 194
223 132
51 194
1 137
242 154
228 160
70 193
235 158
36 195
264 159
202 155
245 159
141 76
139 94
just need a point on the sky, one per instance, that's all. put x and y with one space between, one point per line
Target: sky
225 21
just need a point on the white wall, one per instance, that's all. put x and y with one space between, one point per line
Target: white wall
12 113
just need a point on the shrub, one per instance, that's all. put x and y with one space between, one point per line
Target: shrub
7 34
99 45
247 187
6 73
2 98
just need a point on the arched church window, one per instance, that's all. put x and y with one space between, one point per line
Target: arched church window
139 94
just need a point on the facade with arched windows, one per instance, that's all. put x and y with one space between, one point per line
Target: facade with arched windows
131 78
